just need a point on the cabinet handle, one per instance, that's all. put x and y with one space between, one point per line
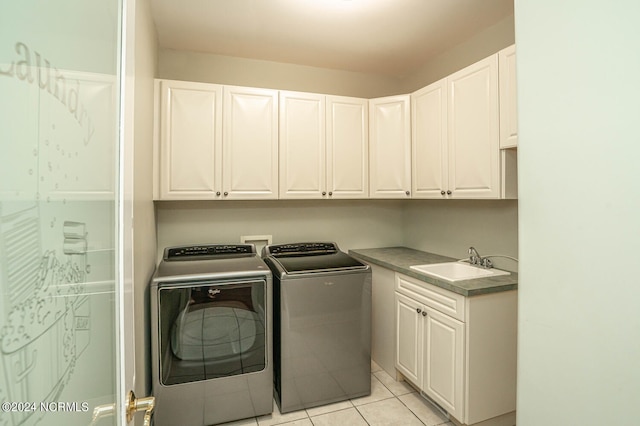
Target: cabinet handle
442 192
226 193
408 193
218 194
424 313
449 192
324 193
330 194
418 310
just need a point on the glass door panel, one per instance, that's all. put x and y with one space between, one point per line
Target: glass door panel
59 85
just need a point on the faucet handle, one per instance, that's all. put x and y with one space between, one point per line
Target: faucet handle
487 263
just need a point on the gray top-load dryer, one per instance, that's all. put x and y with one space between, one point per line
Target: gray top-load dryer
322 325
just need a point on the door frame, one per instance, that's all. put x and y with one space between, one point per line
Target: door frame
125 334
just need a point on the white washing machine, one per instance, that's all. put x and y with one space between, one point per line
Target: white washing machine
211 339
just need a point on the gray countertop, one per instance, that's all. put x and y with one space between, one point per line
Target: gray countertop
401 258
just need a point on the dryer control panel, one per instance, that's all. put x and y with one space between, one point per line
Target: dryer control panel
207 251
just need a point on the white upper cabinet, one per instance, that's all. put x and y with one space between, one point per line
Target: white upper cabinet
456 151
472 132
189 157
302 145
323 146
347 147
390 147
442 141
250 143
201 155
429 148
508 98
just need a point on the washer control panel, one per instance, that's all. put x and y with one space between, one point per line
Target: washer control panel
207 251
300 249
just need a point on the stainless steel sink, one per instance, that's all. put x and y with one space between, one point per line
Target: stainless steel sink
457 271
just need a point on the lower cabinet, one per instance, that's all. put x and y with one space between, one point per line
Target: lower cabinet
430 351
460 351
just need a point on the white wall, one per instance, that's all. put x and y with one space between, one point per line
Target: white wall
481 45
350 223
207 68
579 227
450 227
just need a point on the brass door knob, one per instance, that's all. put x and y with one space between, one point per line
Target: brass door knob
146 404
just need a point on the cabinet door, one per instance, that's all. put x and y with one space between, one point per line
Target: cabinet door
302 145
443 355
429 137
190 140
408 338
473 148
250 143
390 147
508 97
347 147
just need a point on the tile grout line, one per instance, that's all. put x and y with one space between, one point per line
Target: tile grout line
399 400
357 407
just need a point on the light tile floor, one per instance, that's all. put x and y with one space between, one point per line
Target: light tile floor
390 403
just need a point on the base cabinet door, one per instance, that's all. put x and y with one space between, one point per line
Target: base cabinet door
443 354
408 334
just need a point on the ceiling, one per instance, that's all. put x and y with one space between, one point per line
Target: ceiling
388 37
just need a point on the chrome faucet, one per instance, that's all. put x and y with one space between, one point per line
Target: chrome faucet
476 259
